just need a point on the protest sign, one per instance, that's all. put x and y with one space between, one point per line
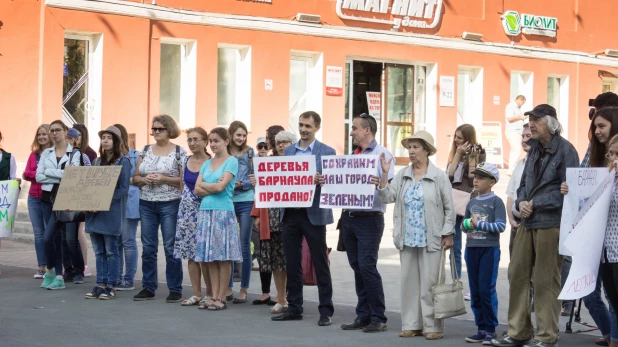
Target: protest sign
582 182
586 242
9 193
347 181
87 188
284 181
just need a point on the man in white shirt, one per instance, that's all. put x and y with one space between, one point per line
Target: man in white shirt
514 125
511 190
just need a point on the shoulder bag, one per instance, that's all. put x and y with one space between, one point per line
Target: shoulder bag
448 299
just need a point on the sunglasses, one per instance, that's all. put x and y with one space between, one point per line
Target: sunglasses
282 142
158 130
262 146
371 121
591 113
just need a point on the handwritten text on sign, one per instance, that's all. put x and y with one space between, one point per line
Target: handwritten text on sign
87 188
9 193
284 181
585 242
347 181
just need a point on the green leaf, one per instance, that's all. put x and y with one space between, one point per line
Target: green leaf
511 22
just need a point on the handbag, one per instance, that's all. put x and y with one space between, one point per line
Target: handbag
460 201
70 216
448 299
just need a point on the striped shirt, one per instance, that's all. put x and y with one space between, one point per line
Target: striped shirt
491 214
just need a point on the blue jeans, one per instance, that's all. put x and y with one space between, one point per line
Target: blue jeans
482 264
127 248
106 251
52 239
243 215
164 214
38 220
457 245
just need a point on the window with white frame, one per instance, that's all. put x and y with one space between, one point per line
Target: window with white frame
558 97
234 85
177 80
306 70
81 82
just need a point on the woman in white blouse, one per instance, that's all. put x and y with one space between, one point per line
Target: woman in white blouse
158 176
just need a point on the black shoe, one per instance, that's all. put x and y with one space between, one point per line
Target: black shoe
69 277
144 295
287 316
173 297
78 279
324 321
95 293
375 327
357 325
108 294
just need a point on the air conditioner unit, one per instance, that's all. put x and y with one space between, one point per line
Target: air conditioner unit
308 18
611 52
471 36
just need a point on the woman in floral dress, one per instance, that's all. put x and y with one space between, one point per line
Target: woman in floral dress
186 227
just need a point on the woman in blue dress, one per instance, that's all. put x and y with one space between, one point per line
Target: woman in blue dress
218 241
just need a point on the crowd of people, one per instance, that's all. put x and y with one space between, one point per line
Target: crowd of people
203 204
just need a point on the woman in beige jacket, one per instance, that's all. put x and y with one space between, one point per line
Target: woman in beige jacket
424 223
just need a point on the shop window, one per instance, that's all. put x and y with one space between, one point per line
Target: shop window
522 84
470 96
558 97
305 94
234 85
177 80
81 81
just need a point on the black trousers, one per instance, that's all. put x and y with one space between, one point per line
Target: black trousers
72 258
361 237
296 225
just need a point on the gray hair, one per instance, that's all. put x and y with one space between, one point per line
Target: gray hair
553 124
286 135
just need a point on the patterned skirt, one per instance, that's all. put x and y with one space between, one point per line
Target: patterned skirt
218 237
186 226
272 257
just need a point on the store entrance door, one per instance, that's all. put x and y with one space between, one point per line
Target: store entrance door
398 109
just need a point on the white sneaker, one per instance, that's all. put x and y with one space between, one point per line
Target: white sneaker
467 297
39 274
87 272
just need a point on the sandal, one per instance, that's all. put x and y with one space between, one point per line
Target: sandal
278 308
213 307
192 301
204 303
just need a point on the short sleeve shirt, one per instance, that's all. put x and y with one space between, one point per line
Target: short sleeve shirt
165 165
221 201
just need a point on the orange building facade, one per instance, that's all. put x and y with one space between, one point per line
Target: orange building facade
414 64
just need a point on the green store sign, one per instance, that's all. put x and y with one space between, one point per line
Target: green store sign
529 24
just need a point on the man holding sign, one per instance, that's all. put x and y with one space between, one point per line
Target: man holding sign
362 232
309 223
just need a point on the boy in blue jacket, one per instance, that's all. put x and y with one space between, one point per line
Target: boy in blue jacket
483 222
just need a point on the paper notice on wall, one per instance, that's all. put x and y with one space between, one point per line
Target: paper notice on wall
582 182
9 194
447 91
334 80
374 103
284 181
347 181
585 242
87 188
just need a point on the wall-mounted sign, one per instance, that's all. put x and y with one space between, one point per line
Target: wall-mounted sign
334 80
447 91
529 24
268 84
374 104
398 13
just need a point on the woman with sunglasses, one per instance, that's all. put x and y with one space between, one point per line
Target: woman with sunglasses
243 203
186 228
158 176
41 142
49 173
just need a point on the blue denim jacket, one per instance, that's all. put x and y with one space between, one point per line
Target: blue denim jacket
133 202
545 170
110 222
243 172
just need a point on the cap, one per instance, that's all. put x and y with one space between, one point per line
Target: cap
541 111
260 140
73 133
112 130
487 170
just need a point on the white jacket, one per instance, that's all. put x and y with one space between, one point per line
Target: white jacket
50 171
439 211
